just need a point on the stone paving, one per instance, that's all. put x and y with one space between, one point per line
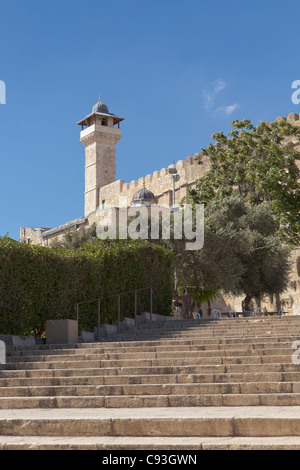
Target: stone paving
222 384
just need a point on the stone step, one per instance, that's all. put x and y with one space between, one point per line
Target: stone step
199 353
218 384
151 401
155 346
169 361
165 334
152 389
244 421
196 339
222 326
242 377
131 443
191 338
159 350
166 370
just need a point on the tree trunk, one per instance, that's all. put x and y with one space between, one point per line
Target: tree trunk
277 303
257 304
246 303
186 305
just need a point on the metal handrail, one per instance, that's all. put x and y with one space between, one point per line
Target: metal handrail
76 306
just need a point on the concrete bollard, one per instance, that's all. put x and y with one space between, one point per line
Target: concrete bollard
2 353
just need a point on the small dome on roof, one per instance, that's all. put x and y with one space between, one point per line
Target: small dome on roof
100 107
143 194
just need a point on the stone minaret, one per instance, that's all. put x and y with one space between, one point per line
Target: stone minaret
100 137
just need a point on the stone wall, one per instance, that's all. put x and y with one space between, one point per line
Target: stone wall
44 236
159 183
292 118
31 235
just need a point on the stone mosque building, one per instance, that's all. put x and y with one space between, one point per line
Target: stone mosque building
100 133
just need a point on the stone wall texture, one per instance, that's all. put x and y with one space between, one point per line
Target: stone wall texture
159 183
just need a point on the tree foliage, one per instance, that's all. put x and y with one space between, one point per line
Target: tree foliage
40 283
259 164
242 253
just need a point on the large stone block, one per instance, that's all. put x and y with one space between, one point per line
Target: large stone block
87 337
23 341
61 331
130 322
110 329
2 353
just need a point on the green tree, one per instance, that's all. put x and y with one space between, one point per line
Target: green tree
242 254
259 164
41 283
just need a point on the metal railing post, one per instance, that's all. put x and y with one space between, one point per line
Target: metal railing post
98 311
135 308
76 307
119 308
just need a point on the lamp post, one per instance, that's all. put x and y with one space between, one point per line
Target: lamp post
175 177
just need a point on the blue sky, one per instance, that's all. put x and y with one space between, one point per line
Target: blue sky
176 71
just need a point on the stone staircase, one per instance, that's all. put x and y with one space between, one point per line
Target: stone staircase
219 384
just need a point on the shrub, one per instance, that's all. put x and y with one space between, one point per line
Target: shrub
39 283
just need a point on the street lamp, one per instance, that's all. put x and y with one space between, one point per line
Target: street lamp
175 177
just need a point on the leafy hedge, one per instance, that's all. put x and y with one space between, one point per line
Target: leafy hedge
40 283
